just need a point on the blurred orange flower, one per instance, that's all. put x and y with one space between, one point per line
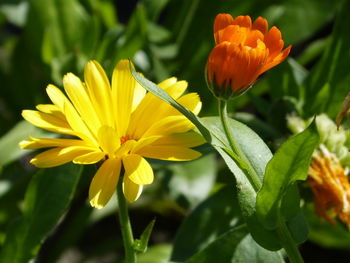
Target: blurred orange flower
330 184
243 51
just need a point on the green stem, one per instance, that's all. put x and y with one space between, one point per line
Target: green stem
251 174
128 238
242 160
288 243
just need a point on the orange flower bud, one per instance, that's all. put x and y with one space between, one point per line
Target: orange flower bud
243 51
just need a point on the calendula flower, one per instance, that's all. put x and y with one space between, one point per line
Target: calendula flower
243 51
117 124
328 171
330 184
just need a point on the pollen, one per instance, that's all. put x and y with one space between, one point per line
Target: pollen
124 139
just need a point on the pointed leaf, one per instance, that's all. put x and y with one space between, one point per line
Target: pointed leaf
140 245
289 164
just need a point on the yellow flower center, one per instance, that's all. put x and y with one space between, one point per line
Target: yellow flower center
124 139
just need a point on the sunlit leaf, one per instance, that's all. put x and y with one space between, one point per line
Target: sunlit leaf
156 254
288 165
191 182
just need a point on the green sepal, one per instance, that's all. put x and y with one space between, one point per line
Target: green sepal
140 245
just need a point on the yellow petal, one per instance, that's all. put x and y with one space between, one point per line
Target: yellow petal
139 94
51 109
56 96
73 118
188 139
169 125
123 86
190 101
131 190
47 121
99 92
177 89
170 153
104 183
125 148
78 124
78 95
167 83
37 143
58 156
137 169
108 139
89 158
151 109
144 142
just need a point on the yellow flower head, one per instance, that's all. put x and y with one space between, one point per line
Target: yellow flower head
118 124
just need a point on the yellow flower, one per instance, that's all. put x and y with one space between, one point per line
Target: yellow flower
330 185
118 124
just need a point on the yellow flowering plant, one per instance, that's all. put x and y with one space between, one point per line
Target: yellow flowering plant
188 174
116 124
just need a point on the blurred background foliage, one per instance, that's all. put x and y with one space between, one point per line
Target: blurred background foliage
46 214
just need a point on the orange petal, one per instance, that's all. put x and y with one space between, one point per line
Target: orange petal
277 60
234 34
243 21
253 37
260 24
235 65
221 21
273 41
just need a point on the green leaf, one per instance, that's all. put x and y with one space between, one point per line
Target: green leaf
156 254
154 7
211 218
191 182
46 200
249 251
140 245
281 13
10 150
289 164
15 13
332 69
235 245
259 154
134 36
221 249
266 131
287 80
